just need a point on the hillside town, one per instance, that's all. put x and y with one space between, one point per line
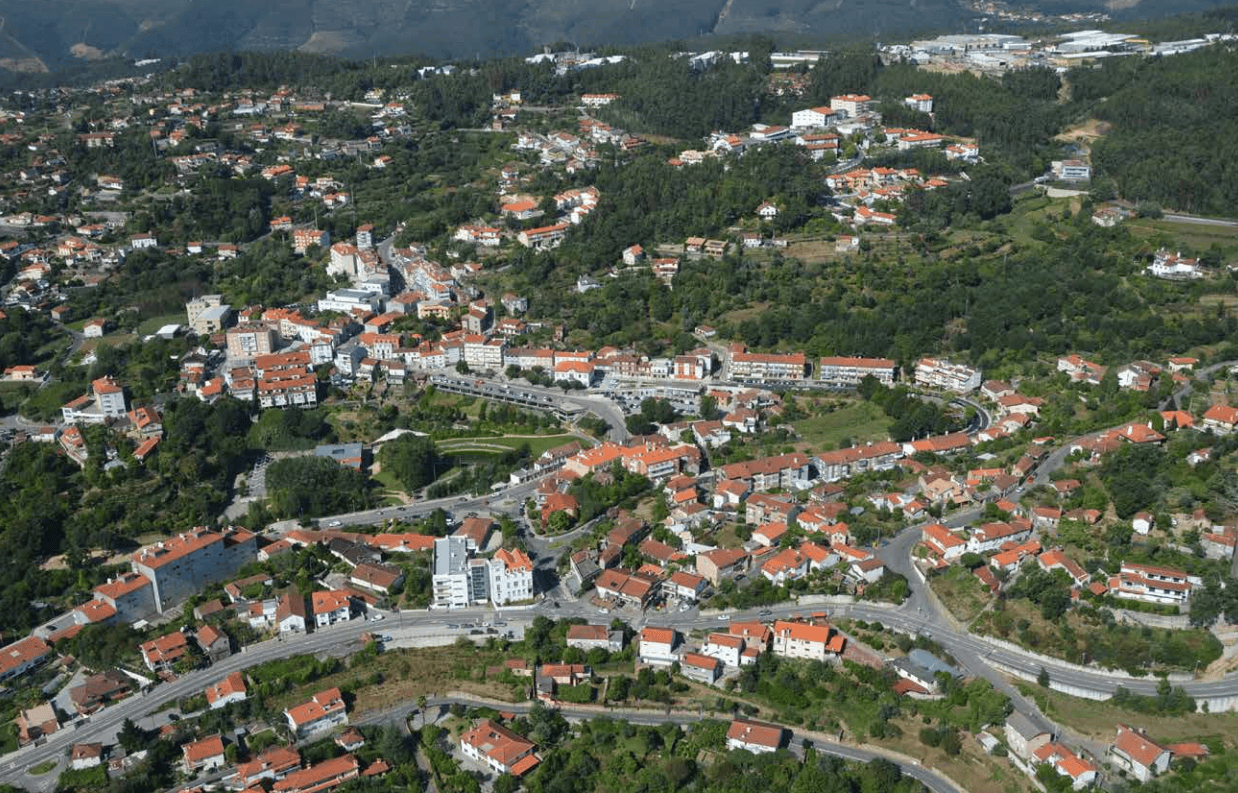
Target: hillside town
345 441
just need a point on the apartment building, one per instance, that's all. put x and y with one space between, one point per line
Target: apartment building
804 640
946 376
458 581
768 366
850 371
185 564
510 577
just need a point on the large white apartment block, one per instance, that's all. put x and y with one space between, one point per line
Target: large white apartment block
183 565
850 371
458 581
947 376
851 105
811 118
511 577
349 300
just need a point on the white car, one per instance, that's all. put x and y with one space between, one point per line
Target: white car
377 618
335 523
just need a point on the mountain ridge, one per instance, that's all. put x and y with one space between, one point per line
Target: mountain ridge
54 34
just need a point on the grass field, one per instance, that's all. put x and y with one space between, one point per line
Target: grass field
1199 237
961 592
859 421
537 443
148 326
1096 719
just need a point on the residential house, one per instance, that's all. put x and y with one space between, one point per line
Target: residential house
755 736
701 668
204 755
324 711
588 637
1066 763
498 748
225 692
657 646
727 648
161 654
1023 736
320 778
1137 754
806 640
331 607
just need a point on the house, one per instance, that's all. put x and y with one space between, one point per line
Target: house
727 648
215 643
320 778
1066 763
331 607
204 755
85 755
767 211
1136 753
376 576
290 614
1221 419
755 736
701 668
785 565
98 690
324 711
721 563
805 640
942 542
1143 523
274 763
37 722
225 692
162 653
498 748
588 637
991 536
1023 736
684 586
657 646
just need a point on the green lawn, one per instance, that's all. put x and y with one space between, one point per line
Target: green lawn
149 326
961 592
859 421
537 445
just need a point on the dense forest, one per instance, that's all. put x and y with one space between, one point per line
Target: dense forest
1171 124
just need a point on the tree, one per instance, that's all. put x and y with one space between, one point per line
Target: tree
411 459
131 738
1043 678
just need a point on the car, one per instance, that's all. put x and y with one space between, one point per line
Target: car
764 613
377 618
385 639
724 617
603 611
453 626
335 523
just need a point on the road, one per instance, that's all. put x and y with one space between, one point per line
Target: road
1201 221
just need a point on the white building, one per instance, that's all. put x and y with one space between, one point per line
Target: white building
850 371
511 577
947 376
812 118
458 581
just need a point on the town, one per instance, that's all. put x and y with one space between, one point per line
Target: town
439 427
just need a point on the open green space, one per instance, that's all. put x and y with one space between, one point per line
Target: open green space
537 444
858 421
961 592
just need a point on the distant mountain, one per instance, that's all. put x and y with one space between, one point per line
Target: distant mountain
49 34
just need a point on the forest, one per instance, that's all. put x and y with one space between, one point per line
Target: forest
1170 136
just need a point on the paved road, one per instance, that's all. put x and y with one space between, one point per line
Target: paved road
1202 221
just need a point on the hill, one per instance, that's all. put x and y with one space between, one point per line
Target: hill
53 34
